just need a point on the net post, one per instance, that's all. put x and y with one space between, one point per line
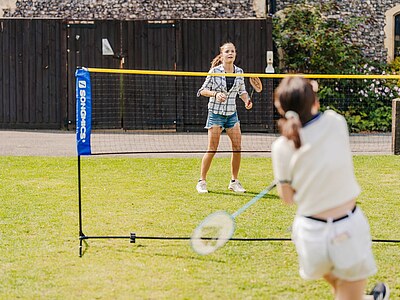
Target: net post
83 132
270 126
80 206
396 126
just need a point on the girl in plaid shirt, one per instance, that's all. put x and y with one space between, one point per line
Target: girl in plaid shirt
222 92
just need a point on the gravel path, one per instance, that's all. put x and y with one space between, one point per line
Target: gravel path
37 143
62 143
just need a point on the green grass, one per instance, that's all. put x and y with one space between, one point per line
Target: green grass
157 197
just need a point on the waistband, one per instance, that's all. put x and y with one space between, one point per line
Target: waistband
334 220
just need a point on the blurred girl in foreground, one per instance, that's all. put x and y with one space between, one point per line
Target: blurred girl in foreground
313 169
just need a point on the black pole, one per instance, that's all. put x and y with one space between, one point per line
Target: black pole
81 235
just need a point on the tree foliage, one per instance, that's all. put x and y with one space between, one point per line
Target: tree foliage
310 39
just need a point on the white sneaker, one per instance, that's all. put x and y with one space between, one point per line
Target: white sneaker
201 187
236 186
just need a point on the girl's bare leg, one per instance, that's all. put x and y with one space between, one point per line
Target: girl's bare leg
347 290
235 136
214 134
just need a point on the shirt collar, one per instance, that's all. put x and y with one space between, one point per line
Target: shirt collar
222 70
313 119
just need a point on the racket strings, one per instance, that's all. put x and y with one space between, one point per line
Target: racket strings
213 233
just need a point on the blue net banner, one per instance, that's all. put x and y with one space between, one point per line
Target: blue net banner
83 111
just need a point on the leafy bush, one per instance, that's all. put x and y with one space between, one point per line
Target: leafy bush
309 41
365 103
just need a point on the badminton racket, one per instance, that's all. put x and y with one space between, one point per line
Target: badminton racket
256 85
218 228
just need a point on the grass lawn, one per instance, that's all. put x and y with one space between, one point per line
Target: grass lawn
156 197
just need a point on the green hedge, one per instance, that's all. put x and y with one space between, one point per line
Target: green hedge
311 39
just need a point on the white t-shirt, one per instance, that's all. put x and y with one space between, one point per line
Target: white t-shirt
321 171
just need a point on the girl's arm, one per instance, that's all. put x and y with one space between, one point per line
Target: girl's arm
246 99
282 151
242 91
208 93
286 192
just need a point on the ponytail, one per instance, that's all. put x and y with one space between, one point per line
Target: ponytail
294 99
289 126
216 61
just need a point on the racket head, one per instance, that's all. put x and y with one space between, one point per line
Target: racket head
212 233
256 84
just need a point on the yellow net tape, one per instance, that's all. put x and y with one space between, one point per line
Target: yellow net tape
260 75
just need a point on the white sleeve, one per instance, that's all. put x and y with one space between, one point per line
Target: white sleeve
282 151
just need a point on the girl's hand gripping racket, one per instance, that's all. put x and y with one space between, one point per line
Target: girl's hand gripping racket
218 228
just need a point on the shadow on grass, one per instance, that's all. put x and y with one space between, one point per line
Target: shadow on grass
193 256
248 193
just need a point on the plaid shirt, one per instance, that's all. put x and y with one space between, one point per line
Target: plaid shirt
218 83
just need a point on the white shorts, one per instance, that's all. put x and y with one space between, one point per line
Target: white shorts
342 248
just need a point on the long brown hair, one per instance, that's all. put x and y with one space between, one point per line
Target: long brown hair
294 99
217 60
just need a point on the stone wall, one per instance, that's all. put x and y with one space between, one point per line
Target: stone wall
371 34
131 9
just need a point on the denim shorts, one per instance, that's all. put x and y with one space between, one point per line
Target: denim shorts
342 248
225 122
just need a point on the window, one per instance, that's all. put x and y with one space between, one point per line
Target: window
392 32
397 36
